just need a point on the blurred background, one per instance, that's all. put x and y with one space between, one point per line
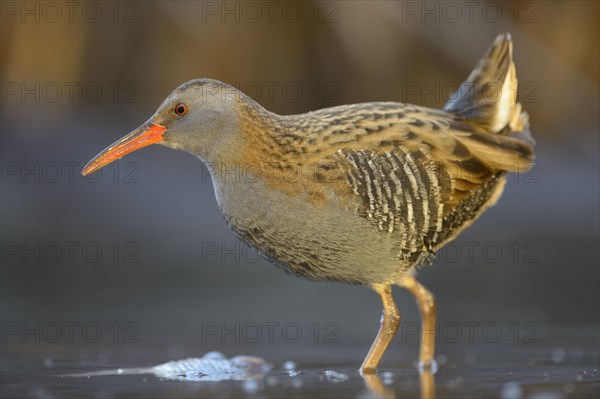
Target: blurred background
140 252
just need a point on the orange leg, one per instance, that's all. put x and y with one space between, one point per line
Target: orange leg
427 308
390 321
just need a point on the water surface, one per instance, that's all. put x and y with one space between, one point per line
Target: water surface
502 371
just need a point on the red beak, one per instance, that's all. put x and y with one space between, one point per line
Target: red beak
147 134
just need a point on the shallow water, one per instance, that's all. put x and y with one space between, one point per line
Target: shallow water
504 371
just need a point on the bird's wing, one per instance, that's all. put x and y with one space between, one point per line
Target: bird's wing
422 180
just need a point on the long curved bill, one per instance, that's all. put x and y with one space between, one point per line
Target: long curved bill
147 134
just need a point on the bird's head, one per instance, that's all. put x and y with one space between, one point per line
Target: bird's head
200 116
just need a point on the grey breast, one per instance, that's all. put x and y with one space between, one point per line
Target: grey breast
329 242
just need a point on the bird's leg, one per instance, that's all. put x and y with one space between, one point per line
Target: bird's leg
427 308
390 320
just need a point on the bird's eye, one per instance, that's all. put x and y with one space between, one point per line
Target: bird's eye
180 109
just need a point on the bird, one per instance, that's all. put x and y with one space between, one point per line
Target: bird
362 194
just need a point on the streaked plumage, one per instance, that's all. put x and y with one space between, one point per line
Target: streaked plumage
358 193
419 176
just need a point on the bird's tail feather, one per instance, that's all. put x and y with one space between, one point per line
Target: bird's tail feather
489 95
488 100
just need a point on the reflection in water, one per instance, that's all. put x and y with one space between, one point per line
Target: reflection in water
427 380
376 386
